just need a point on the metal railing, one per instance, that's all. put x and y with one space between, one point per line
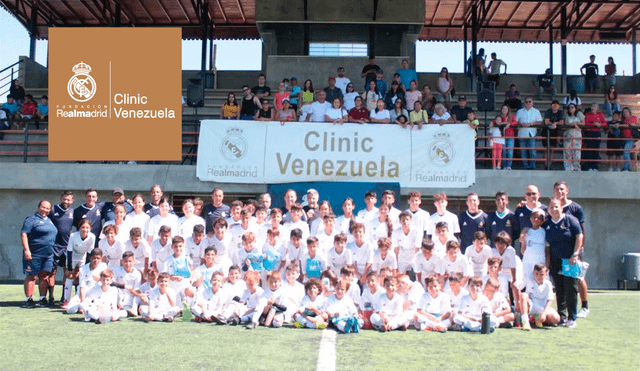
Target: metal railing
12 73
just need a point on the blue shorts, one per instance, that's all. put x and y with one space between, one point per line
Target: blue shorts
37 264
59 256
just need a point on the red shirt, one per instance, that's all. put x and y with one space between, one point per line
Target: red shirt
591 118
29 108
508 129
626 132
359 113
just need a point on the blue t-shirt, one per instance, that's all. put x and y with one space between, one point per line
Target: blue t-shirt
295 90
43 108
272 260
107 210
313 267
13 108
63 220
382 87
406 76
469 225
178 266
561 236
42 234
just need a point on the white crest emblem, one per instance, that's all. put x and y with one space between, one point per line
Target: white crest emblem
233 147
81 86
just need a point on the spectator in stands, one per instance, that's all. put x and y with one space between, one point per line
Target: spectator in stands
230 108
332 91
296 93
413 95
590 73
573 98
629 124
440 116
17 91
29 107
418 116
369 71
397 111
349 97
382 85
380 114
553 121
336 114
307 96
393 94
460 110
249 106
613 144
371 96
528 118
497 143
319 108
473 123
401 86
261 90
572 142
507 122
545 84
4 122
11 108
359 114
286 113
610 72
444 86
428 99
494 69
406 74
341 81
594 123
266 113
611 101
43 108
512 98
280 95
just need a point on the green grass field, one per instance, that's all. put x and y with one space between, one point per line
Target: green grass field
46 339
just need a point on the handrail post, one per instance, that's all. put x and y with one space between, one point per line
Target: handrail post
26 140
548 150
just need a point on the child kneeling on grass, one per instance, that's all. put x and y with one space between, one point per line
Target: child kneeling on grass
101 303
162 302
310 314
342 313
536 302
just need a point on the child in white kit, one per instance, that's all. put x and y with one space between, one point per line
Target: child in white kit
292 291
140 248
455 263
249 256
361 252
162 302
249 300
100 303
349 273
223 242
339 256
340 310
88 276
327 234
145 289
295 247
456 292
234 288
388 311
129 280
501 314
238 232
434 309
201 277
297 222
478 253
441 238
161 248
369 296
427 263
406 243
311 312
472 306
178 266
196 244
111 247
274 253
80 244
210 304
271 304
538 299
510 261
383 258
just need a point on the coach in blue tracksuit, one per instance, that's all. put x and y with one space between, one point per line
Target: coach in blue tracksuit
564 236
38 236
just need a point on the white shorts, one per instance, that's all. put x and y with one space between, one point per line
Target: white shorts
535 309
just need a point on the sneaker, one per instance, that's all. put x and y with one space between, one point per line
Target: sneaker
441 329
52 303
563 322
234 321
584 312
29 303
251 326
298 325
321 326
43 303
526 326
537 322
571 323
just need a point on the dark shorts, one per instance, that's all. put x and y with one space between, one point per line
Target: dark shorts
59 256
37 264
591 83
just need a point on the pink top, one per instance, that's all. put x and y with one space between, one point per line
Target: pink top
279 97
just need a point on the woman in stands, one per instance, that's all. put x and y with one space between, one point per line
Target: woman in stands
573 138
307 92
286 113
380 114
336 114
573 99
418 116
444 86
266 113
610 71
371 96
349 98
441 116
629 123
428 99
611 101
394 94
507 121
230 108
17 92
359 114
397 111
564 237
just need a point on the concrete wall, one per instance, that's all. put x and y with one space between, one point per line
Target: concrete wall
611 201
33 75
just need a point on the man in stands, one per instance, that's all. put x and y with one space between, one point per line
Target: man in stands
528 118
215 210
318 108
332 91
494 69
512 98
341 81
249 105
553 118
590 73
460 110
261 90
369 72
545 84
406 74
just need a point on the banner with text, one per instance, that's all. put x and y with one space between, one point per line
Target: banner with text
268 152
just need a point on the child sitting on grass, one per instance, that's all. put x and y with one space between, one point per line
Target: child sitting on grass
340 310
271 304
501 313
162 302
537 300
100 303
210 305
311 312
434 309
472 307
388 313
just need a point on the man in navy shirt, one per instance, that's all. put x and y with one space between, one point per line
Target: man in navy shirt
471 221
215 210
502 219
91 210
151 207
590 73
117 197
38 235
62 217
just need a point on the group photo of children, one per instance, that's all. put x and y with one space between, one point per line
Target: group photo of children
250 264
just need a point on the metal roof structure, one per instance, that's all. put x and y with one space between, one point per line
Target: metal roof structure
506 20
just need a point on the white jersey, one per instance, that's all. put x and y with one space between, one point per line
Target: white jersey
377 229
160 253
206 274
146 288
234 290
540 293
87 277
295 253
132 278
440 248
300 224
277 295
508 261
499 302
236 243
475 307
394 215
123 230
460 265
139 253
195 250
171 221
325 241
391 307
478 260
223 247
420 220
292 295
439 305
102 299
251 299
336 261
112 253
262 232
504 283
343 307
535 251
232 222
138 220
367 215
159 302
318 304
79 248
211 302
368 298
185 226
361 255
452 223
379 263
456 299
428 267
406 244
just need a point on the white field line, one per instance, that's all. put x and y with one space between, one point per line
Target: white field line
327 352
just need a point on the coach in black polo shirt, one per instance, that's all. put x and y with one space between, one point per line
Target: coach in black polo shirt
91 210
215 210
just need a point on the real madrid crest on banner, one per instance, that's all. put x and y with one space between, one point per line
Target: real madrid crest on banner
81 86
441 150
233 146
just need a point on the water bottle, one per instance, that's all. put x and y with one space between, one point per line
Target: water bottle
186 312
486 323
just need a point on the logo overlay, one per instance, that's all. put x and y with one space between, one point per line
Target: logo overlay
110 99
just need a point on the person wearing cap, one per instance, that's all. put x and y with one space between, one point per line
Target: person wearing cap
117 197
332 91
461 110
280 95
553 120
369 71
296 93
545 84
406 74
341 81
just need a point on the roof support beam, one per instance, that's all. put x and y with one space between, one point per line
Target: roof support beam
164 10
66 4
90 10
184 11
224 16
146 11
244 19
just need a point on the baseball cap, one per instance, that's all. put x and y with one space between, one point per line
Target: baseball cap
555 101
118 190
462 97
332 78
293 78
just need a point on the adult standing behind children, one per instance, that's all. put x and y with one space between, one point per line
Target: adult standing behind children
406 74
369 71
215 210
